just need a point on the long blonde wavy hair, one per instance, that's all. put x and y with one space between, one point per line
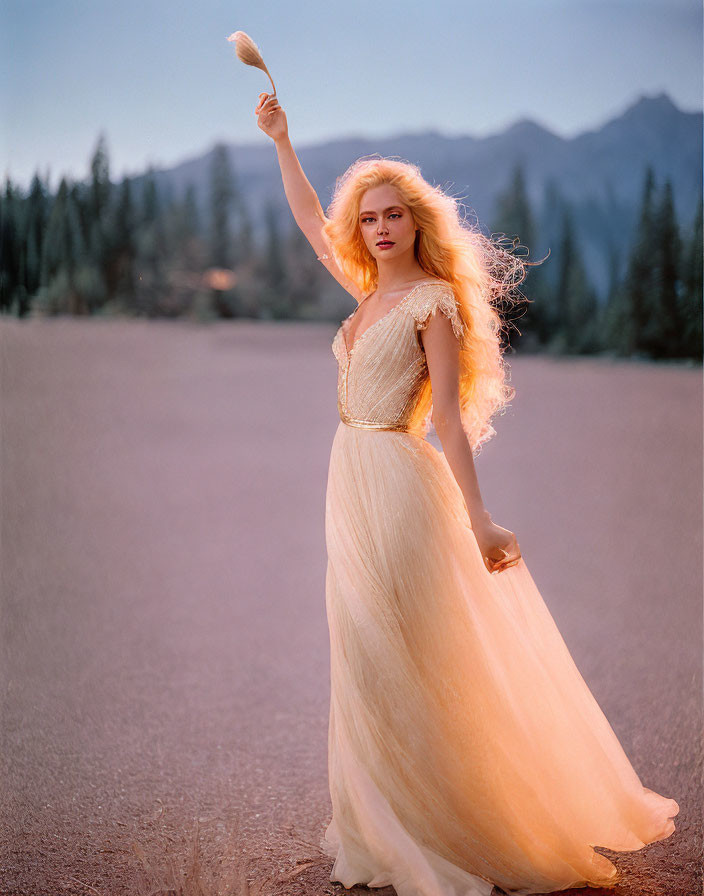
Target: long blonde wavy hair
483 274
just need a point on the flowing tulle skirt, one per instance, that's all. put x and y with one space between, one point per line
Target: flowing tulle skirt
465 748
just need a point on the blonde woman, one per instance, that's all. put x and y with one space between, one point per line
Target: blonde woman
465 749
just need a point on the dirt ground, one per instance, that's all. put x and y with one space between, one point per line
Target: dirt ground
164 649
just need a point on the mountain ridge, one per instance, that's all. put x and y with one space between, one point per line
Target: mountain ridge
599 171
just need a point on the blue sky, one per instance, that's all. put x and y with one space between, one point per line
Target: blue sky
162 82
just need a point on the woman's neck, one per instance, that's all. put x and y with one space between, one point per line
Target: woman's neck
397 274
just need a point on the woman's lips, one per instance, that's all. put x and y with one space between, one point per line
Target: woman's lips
385 245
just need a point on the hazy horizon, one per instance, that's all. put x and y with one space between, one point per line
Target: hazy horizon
155 79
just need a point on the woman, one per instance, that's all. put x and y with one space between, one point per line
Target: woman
465 748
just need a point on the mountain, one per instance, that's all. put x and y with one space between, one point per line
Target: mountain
600 172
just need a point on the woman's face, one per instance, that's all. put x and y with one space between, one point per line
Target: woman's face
386 224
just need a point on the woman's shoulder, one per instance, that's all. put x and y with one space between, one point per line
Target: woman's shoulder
437 282
431 296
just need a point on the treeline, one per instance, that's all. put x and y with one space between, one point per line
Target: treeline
133 249
129 248
653 308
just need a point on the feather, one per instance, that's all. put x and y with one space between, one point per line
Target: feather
248 52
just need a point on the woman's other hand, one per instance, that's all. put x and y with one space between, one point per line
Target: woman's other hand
271 117
499 546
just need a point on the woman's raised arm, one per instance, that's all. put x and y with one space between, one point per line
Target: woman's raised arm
302 198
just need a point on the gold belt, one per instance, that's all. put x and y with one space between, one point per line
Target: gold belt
369 424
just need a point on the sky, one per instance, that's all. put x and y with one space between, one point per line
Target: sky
160 80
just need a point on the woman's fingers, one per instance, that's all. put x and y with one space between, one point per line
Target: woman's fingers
507 564
508 560
268 105
501 569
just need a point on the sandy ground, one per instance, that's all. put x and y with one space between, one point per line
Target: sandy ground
165 662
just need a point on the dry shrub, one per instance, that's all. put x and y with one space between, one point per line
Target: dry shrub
213 861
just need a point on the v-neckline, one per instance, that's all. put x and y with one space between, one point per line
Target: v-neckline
359 336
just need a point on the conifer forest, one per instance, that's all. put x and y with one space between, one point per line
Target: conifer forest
131 249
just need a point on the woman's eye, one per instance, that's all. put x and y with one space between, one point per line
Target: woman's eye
392 215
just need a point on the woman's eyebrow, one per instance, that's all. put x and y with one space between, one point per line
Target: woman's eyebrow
386 210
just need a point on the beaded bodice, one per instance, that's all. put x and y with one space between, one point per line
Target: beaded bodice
383 377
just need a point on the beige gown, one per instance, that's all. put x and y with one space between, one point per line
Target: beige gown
465 748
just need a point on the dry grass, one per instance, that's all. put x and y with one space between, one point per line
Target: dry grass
206 862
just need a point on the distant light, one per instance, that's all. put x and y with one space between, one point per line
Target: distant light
219 278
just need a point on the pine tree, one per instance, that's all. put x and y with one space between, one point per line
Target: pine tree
691 297
614 312
181 224
639 283
37 212
100 186
191 213
95 271
222 193
244 234
150 283
514 219
151 204
544 281
579 327
64 252
276 300
89 288
513 213
566 260
124 251
662 331
10 246
185 255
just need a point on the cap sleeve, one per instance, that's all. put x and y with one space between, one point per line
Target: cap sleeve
437 297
